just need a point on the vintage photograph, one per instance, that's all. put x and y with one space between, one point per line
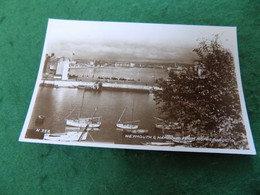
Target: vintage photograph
140 86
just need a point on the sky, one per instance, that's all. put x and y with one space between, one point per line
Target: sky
132 41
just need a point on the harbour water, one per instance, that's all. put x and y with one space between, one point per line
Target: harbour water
59 104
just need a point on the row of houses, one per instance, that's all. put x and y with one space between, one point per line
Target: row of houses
58 68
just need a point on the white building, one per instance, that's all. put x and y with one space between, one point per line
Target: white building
62 69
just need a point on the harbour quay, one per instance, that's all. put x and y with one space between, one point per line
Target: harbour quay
91 85
98 74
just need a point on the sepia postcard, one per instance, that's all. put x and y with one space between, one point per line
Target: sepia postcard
140 86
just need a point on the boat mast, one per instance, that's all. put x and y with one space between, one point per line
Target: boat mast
70 113
121 115
94 112
82 103
133 111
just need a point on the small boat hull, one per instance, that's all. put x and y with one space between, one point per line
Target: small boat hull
76 123
126 126
65 137
137 131
167 127
94 125
159 144
83 122
40 119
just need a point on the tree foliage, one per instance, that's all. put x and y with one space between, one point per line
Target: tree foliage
204 97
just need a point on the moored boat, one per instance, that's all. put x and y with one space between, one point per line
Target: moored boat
163 124
92 122
137 131
127 125
65 137
158 144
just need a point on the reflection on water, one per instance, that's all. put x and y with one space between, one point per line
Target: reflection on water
59 104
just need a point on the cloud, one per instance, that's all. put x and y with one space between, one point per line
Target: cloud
124 51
